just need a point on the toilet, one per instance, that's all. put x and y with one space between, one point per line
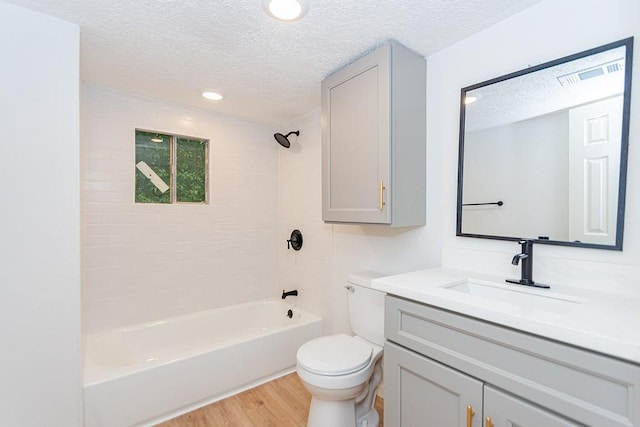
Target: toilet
342 372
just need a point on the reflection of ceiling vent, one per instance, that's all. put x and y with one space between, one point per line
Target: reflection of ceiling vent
589 73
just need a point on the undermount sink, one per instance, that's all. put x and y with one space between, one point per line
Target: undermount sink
526 299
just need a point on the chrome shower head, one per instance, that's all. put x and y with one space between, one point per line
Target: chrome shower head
284 139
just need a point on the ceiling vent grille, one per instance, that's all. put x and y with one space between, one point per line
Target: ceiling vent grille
589 73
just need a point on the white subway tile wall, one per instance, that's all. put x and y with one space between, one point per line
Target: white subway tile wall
145 261
300 207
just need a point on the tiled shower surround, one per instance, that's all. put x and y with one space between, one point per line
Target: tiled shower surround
150 261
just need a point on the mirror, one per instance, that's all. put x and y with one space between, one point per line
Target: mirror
543 151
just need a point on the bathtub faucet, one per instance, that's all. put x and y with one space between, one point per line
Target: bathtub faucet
293 293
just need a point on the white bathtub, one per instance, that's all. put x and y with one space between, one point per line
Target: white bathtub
151 372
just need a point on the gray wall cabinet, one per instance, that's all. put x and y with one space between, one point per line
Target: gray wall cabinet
445 369
374 139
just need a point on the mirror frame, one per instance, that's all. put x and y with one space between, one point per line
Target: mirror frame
624 144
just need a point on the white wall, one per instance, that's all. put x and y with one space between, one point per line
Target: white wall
149 261
527 174
548 30
331 251
300 207
40 367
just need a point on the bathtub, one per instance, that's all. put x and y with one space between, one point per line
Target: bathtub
151 372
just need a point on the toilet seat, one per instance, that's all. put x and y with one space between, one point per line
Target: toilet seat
334 355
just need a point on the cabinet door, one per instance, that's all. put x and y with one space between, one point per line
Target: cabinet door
504 410
356 147
422 392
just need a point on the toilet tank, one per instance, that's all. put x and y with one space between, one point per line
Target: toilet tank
366 307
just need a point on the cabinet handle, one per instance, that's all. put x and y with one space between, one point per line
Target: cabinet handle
382 188
470 415
488 422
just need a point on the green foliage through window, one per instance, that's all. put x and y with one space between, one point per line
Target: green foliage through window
170 168
190 170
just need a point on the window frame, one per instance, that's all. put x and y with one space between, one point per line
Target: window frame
173 167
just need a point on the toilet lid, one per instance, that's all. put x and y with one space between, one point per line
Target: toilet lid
334 355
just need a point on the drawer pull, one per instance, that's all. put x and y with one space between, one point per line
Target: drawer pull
382 188
488 422
470 415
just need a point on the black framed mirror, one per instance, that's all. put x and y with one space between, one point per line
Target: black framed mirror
543 151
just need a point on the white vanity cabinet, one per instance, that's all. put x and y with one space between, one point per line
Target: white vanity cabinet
374 139
446 369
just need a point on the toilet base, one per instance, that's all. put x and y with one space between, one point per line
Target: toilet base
370 419
339 413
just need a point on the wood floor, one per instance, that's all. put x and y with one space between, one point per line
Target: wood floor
283 402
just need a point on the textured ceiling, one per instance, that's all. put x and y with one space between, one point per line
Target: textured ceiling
536 94
270 70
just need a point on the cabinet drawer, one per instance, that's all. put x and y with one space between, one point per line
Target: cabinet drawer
588 387
501 409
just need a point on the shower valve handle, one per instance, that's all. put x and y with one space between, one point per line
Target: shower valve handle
295 241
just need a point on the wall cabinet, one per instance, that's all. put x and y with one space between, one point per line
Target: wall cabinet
374 139
446 369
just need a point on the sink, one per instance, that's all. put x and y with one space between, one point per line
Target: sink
520 297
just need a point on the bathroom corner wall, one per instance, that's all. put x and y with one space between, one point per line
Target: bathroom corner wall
545 31
149 261
299 207
332 251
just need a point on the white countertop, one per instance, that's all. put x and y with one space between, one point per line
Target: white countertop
604 323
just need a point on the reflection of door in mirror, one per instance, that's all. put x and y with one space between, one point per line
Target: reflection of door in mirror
594 150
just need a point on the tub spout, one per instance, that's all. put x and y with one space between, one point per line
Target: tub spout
293 293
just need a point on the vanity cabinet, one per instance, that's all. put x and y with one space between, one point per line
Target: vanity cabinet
374 139
421 391
442 368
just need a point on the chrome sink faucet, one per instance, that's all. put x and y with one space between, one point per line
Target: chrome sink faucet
526 257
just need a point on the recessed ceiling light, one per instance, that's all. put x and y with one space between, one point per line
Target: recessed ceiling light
286 10
470 99
212 95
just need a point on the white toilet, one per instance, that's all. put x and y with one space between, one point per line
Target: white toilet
342 372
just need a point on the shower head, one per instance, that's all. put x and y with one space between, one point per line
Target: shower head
284 139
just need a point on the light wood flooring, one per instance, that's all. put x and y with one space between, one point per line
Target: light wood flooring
283 402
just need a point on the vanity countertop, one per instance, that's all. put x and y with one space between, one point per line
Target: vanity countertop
604 323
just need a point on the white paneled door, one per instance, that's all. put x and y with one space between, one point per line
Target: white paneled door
594 168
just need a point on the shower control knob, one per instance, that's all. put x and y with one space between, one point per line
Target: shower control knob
295 241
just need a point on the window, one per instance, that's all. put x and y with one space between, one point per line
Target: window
171 168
